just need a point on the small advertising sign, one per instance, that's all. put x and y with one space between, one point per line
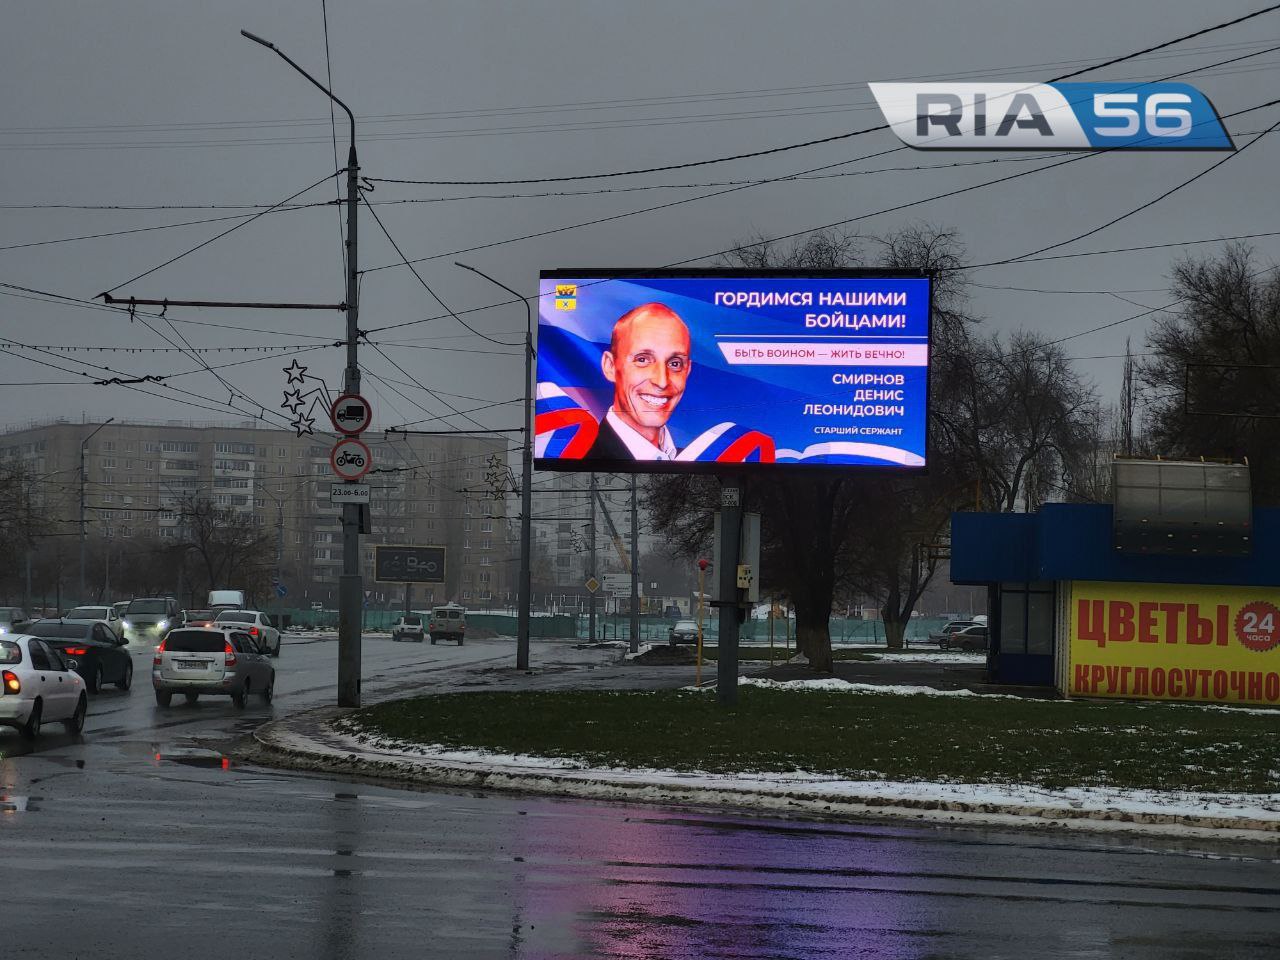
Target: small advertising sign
1164 641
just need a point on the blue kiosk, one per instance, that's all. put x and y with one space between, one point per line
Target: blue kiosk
1078 601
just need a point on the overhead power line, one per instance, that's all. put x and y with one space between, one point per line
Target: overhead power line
205 243
588 105
66 300
706 196
1152 202
390 239
158 226
819 140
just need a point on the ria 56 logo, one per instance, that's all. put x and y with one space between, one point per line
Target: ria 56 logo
1051 116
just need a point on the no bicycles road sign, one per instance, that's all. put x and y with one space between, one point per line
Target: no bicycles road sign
350 458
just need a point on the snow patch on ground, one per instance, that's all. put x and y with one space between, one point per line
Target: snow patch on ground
939 656
1122 807
835 684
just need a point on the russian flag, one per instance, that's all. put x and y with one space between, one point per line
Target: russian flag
562 429
730 443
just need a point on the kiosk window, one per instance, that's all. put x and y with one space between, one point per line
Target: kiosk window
1026 618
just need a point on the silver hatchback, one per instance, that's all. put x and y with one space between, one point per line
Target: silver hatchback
211 661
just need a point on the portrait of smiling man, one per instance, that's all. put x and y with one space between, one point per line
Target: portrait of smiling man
648 364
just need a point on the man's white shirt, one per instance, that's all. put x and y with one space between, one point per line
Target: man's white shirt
639 447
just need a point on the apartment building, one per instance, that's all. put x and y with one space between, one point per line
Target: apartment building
138 475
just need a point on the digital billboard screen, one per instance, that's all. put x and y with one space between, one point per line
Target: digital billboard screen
702 371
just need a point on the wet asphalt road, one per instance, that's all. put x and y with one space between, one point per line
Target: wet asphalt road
139 840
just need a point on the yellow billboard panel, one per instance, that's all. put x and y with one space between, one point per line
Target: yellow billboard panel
1167 641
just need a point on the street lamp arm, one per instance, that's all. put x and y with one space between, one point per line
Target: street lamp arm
287 59
525 587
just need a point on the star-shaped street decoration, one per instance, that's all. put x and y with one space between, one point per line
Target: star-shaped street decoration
304 425
295 371
293 401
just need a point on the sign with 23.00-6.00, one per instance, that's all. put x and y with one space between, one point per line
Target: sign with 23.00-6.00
350 458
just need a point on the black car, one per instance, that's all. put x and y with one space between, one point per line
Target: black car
91 649
684 631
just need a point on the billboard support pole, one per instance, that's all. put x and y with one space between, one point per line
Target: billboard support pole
595 574
730 547
635 570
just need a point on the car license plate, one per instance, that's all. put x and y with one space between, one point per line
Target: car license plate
192 664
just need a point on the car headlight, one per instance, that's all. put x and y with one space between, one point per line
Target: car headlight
126 624
162 625
3 629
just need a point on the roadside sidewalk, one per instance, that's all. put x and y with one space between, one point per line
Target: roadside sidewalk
309 742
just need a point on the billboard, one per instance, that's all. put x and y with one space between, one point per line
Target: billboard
405 564
703 370
1167 641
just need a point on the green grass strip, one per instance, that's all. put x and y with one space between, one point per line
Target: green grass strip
1053 744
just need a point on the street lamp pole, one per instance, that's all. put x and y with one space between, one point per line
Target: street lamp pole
350 587
526 478
83 445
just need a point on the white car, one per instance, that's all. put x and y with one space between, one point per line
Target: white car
108 615
36 687
256 623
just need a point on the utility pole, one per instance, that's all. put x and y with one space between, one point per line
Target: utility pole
595 573
635 571
350 587
84 444
525 585
279 601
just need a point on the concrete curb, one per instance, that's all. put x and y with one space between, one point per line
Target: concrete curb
307 742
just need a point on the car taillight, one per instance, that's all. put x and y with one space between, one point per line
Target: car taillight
75 651
11 682
253 631
230 652
159 650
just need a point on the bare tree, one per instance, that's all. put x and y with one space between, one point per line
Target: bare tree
823 534
231 548
1020 418
1211 384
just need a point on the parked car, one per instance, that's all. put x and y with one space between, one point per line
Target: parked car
408 627
90 649
448 623
13 619
198 618
211 661
36 686
953 626
258 625
684 631
148 619
107 615
970 638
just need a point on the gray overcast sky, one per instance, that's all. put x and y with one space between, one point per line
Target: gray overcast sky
163 102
